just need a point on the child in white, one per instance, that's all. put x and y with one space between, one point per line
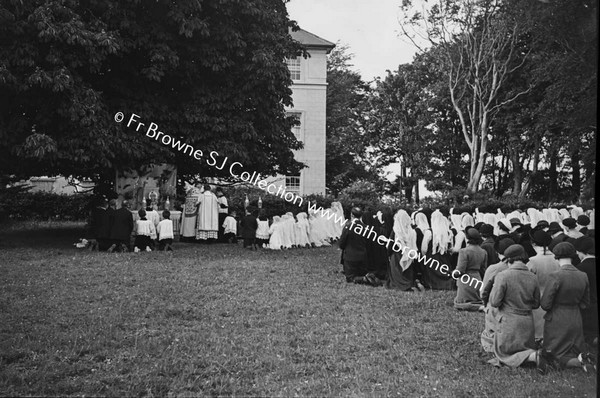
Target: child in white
230 228
276 240
144 230
302 229
262 232
165 232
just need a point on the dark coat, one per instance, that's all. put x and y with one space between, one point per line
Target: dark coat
492 255
249 226
515 293
353 244
100 222
590 314
121 224
567 291
557 239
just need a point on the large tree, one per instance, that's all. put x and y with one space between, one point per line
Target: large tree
480 44
346 141
209 72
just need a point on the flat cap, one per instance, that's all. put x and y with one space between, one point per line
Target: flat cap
504 244
564 250
585 245
516 252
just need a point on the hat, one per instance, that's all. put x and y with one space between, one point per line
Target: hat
541 238
472 234
486 230
569 222
543 224
503 245
515 221
554 227
564 250
583 220
515 252
478 226
504 225
586 245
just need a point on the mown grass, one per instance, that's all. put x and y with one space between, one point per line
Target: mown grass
220 320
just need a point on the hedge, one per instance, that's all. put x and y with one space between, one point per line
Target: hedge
17 203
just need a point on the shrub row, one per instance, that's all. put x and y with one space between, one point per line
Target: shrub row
17 203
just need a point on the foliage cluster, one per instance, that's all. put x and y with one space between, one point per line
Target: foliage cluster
16 203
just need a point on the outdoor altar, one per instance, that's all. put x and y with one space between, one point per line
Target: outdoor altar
152 184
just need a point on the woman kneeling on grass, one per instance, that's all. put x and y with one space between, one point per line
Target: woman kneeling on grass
566 292
516 293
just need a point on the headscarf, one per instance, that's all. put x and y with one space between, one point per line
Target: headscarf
466 221
441 234
576 212
406 236
499 215
535 216
456 221
421 222
564 213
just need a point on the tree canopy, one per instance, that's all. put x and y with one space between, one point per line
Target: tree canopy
209 72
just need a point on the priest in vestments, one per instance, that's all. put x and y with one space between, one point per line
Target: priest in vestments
190 214
207 225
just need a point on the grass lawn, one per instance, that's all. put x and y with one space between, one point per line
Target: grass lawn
220 320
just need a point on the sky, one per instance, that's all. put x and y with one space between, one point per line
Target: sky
370 29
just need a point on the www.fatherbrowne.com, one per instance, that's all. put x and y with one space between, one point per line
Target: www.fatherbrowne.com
236 170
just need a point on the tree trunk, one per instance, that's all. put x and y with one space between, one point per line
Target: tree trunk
531 178
575 164
417 199
553 176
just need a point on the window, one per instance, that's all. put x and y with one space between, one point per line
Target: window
297 129
294 67
292 183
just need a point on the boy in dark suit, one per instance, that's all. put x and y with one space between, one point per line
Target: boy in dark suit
121 227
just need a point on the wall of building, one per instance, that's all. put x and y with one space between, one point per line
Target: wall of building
309 94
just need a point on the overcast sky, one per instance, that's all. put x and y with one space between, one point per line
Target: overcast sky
370 28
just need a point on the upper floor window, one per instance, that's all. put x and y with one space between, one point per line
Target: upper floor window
294 67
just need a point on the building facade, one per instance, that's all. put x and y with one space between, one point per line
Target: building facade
309 93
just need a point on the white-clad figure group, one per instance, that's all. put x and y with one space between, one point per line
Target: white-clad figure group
316 229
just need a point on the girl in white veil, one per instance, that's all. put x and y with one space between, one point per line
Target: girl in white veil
286 233
318 234
302 229
441 243
339 216
275 241
401 274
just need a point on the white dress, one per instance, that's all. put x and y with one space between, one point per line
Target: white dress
262 232
302 228
276 239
